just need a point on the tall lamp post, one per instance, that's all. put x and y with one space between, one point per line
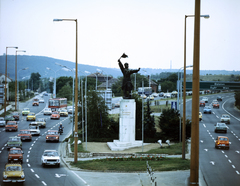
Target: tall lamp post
76 90
5 90
184 85
54 90
18 88
16 77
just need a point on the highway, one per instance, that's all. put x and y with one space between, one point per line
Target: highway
219 167
35 174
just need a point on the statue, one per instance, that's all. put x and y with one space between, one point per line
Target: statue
126 83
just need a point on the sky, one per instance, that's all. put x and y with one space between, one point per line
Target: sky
150 32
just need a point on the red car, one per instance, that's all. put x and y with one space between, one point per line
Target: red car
202 103
11 126
55 115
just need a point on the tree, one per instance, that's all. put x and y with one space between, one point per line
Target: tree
149 124
169 124
35 79
65 92
99 124
62 81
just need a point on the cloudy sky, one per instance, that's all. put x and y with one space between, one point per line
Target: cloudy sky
150 32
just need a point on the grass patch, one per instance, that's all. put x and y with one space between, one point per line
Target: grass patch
175 149
80 146
134 164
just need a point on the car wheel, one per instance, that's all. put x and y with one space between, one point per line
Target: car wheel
58 165
43 164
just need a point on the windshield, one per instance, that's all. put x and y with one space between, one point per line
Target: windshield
24 132
13 168
52 132
14 139
50 153
26 109
15 152
223 139
42 120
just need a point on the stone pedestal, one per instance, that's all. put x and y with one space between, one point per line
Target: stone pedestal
126 127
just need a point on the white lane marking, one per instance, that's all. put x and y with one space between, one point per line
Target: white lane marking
0 151
28 151
223 152
5 145
201 141
212 162
206 150
80 178
44 183
226 156
233 166
217 116
2 148
228 112
237 151
229 161
204 125
30 148
27 155
29 165
32 144
32 170
237 172
27 160
37 176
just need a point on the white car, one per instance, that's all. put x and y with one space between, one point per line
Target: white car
205 99
2 122
47 111
34 129
155 94
225 118
50 157
70 109
41 100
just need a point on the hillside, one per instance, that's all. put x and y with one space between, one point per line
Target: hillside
40 64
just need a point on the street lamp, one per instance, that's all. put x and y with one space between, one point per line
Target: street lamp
76 90
184 84
178 107
16 77
18 88
5 90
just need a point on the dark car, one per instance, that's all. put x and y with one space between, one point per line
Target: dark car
9 118
219 98
15 115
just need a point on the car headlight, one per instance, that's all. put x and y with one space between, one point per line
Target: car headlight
5 176
47 137
22 176
57 137
44 160
58 160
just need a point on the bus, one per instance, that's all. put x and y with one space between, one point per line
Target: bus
145 90
57 103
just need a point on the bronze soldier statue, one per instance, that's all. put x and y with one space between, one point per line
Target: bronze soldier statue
126 83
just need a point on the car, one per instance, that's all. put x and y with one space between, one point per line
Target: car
205 99
207 109
31 116
50 157
35 103
63 112
215 105
117 104
161 94
154 94
11 126
150 97
143 96
25 111
202 103
221 127
9 118
2 122
225 118
200 116
167 95
41 100
222 142
70 109
14 142
55 115
13 172
15 115
47 111
34 129
41 122
25 134
15 155
52 135
219 98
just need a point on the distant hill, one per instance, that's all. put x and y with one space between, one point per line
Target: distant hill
40 63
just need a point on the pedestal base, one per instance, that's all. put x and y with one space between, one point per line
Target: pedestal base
116 145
